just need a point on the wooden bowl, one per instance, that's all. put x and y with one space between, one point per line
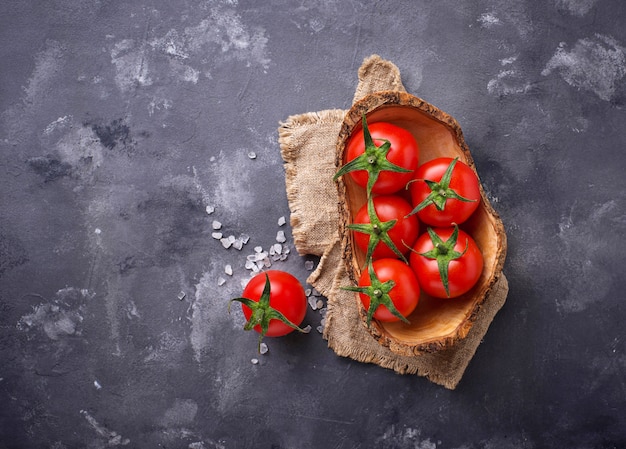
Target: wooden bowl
435 324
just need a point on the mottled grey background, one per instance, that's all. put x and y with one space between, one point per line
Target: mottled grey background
124 123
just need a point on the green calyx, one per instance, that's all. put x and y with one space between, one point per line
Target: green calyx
440 191
377 230
378 293
444 253
373 160
263 313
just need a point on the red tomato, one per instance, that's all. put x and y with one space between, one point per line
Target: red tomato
402 233
441 207
404 295
462 269
286 296
404 152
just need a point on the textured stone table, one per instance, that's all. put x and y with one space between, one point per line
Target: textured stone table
131 132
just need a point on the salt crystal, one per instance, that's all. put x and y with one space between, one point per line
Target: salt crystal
245 238
238 244
210 209
258 249
216 225
181 296
263 348
280 237
312 303
221 281
320 329
278 248
249 264
254 361
307 329
283 257
282 221
231 239
217 235
226 243
307 292
319 304
228 269
308 265
252 155
314 292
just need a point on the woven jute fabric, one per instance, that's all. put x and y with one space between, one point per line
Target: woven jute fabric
308 144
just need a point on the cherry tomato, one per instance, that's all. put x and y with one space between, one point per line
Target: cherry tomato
286 296
404 295
439 258
439 201
404 152
402 233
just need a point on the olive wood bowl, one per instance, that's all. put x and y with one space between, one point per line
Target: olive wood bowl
436 324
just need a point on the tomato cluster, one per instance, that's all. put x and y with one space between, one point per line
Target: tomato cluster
402 257
409 226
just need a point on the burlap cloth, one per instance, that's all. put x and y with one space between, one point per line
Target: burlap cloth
308 145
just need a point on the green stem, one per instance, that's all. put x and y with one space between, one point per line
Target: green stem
263 313
373 160
444 253
440 191
378 293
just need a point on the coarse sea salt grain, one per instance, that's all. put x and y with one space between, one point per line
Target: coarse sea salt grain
210 209
252 155
216 225
263 348
221 281
228 269
282 221
280 237
308 265
217 235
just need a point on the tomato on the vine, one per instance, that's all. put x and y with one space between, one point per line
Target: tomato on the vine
388 290
274 303
446 261
383 155
392 223
444 191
